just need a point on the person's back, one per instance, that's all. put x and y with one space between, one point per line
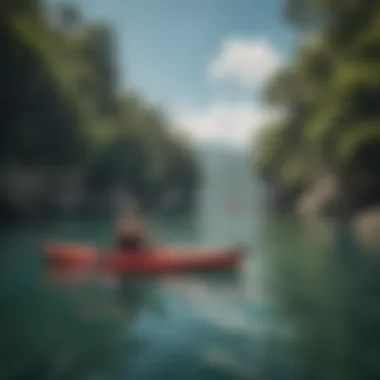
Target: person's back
130 229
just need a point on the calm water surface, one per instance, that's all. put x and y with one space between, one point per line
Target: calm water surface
203 327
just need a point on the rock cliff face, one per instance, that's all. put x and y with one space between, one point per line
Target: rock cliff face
32 191
366 227
28 193
320 198
354 194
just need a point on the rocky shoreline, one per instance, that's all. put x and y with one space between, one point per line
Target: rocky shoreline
355 200
32 193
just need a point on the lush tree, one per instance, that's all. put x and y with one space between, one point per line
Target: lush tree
63 106
330 90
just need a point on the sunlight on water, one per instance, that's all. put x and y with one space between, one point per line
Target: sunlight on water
225 321
209 325
226 197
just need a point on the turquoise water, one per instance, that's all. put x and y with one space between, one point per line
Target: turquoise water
203 327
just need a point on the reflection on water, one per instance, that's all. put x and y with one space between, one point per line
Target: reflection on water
330 293
243 324
204 325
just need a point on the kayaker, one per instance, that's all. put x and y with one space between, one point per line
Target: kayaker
131 233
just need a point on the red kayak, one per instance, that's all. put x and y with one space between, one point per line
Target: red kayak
155 260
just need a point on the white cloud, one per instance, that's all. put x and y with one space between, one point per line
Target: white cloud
226 123
249 62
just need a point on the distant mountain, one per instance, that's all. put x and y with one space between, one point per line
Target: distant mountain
227 174
226 200
223 157
210 149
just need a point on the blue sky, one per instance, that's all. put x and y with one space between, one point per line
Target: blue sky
173 52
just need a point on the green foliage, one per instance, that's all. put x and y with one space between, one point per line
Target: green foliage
65 108
268 148
62 107
331 94
330 294
47 128
330 90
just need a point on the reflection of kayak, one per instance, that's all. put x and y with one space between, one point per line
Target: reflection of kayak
156 260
